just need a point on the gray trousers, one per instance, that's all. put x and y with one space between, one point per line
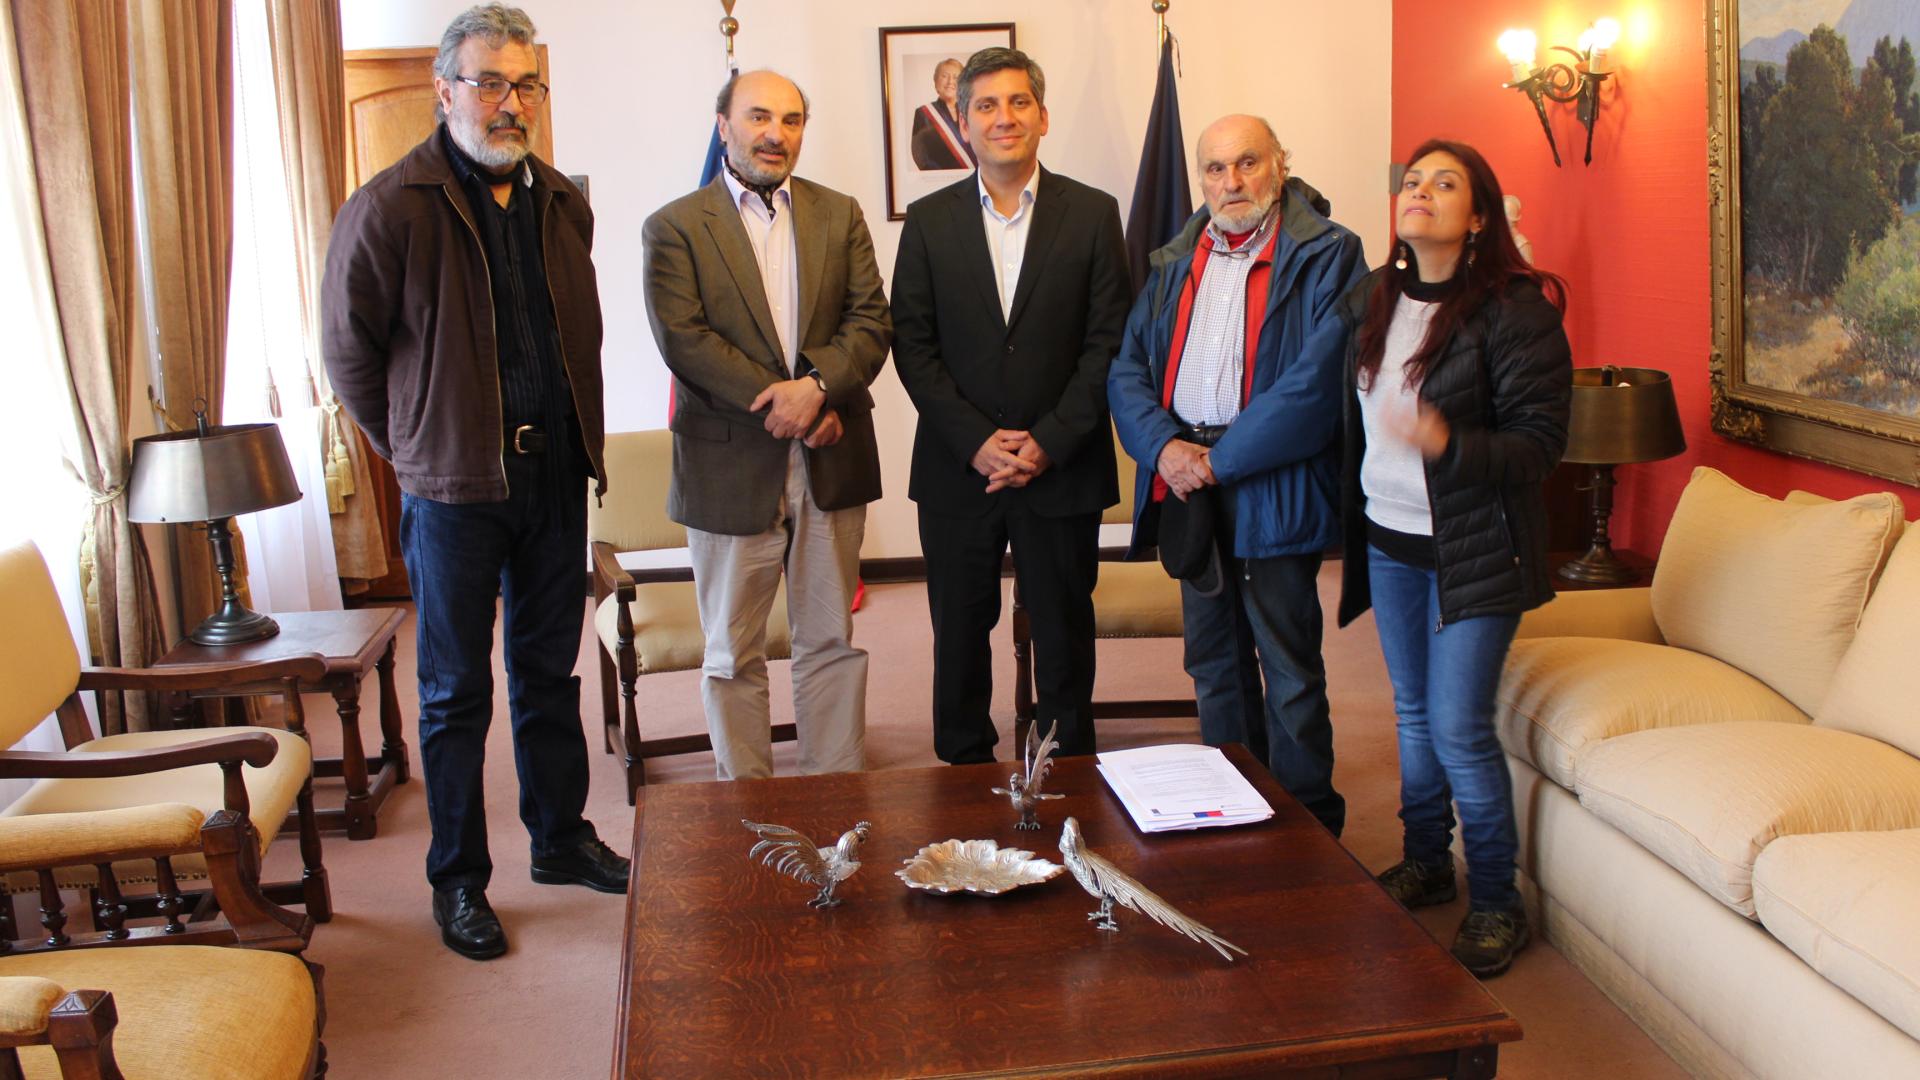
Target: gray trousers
735 579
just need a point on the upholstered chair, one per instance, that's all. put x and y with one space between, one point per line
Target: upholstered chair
258 771
646 618
221 998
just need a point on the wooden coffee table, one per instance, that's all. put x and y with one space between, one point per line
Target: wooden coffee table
353 642
726 971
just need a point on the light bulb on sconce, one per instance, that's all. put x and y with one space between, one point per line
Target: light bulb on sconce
1596 42
1518 47
1577 83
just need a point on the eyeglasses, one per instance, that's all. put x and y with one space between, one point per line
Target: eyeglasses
494 91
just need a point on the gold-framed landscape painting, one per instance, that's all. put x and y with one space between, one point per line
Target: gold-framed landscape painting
1813 154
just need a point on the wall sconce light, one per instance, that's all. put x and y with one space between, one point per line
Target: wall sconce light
1578 82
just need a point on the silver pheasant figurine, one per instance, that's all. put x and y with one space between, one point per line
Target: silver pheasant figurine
793 854
1106 883
1023 787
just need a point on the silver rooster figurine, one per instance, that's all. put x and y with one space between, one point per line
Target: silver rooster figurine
793 854
1106 883
1023 787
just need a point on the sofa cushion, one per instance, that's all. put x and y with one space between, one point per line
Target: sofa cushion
1558 696
1844 903
1707 799
1775 589
1873 686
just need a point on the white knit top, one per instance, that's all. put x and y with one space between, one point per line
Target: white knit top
1392 474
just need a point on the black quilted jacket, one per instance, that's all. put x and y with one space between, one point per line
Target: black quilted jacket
1503 384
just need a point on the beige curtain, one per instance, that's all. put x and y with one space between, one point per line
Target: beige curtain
182 90
309 78
73 64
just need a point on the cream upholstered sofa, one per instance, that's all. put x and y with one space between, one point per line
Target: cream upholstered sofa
1718 784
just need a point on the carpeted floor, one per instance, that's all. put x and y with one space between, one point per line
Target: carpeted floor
400 1005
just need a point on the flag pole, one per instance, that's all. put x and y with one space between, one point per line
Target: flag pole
1160 12
729 26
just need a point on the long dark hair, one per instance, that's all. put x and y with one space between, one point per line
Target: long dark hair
1496 262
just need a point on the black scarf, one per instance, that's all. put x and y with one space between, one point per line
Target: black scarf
765 191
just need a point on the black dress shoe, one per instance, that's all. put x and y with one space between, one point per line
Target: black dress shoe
591 863
468 925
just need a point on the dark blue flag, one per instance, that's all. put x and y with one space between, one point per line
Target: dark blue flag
716 153
716 150
1162 201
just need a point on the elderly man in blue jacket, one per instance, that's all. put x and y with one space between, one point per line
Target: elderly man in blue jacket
1223 398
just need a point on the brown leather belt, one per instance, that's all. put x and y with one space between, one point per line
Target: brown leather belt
526 439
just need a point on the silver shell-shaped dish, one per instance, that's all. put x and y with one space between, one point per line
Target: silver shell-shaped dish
975 866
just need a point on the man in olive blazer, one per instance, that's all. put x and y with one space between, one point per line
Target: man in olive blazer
768 308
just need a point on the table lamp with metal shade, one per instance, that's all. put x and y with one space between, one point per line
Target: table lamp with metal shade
1620 416
209 475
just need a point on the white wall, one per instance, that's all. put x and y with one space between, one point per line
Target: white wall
633 85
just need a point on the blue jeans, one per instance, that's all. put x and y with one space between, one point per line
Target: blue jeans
531 551
1266 621
1443 685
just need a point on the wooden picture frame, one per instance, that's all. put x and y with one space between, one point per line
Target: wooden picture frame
1804 362
924 150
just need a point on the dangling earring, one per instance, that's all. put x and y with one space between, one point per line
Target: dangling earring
1400 261
1471 250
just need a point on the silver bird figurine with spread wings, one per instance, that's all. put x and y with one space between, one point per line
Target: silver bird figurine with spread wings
1106 883
796 856
1023 787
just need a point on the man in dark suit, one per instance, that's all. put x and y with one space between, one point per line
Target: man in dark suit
768 308
1009 300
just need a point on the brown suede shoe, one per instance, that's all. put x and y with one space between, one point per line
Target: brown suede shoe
1418 884
1487 940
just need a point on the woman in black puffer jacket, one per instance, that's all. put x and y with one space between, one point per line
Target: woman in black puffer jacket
1458 380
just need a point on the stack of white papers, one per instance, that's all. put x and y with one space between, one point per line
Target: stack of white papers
1181 786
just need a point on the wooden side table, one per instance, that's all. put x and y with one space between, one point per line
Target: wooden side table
351 642
1632 559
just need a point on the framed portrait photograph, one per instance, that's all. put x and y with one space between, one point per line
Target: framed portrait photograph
919 83
1813 137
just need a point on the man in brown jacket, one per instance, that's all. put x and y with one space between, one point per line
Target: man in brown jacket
768 308
461 328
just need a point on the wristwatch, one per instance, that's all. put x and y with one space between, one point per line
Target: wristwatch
819 380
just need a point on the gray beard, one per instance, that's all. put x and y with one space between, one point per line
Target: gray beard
498 158
1242 221
746 166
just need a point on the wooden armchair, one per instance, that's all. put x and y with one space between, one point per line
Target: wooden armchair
262 773
647 620
226 998
1131 600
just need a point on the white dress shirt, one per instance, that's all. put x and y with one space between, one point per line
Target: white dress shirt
1007 237
771 233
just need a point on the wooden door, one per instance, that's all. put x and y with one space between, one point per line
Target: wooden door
390 104
390 108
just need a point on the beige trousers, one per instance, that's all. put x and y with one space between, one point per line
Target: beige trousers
734 581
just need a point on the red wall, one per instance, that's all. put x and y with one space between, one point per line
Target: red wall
1629 232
